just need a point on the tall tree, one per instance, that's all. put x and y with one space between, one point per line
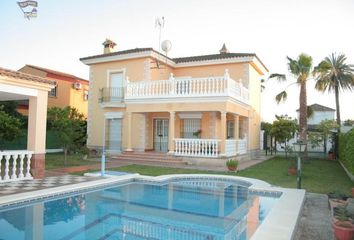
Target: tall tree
333 74
70 127
301 69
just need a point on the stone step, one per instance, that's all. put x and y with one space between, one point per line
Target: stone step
147 157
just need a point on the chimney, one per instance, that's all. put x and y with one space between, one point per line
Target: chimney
223 50
108 46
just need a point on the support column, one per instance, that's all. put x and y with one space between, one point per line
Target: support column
129 133
34 215
37 124
171 133
223 133
236 127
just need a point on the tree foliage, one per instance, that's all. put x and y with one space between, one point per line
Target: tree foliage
10 127
283 129
301 69
346 150
333 74
70 127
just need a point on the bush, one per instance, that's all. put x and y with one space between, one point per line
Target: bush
232 163
346 150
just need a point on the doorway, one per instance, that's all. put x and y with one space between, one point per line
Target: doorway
161 135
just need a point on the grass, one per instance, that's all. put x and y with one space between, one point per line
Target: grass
56 160
319 176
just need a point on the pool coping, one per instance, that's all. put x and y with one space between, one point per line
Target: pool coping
280 223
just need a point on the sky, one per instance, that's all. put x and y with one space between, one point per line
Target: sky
66 30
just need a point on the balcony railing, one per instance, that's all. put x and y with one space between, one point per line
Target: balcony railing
15 165
111 94
176 88
187 87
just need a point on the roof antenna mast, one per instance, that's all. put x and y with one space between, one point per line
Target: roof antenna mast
159 24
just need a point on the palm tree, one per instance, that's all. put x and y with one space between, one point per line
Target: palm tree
333 74
301 69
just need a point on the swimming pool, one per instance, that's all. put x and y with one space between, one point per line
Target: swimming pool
183 207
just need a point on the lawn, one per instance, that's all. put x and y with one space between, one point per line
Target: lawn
319 176
56 160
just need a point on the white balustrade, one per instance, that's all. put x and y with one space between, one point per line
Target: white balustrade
242 146
231 147
234 147
196 147
187 87
16 166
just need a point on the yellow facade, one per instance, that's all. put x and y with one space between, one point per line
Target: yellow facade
66 93
138 116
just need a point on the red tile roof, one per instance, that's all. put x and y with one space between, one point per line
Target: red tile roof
24 76
55 72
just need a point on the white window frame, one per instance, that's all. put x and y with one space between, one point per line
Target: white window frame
112 71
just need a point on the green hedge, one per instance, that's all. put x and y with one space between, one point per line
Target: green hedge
346 150
21 142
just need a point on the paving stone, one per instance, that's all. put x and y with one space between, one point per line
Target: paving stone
315 221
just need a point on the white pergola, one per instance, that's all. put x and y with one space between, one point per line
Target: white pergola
15 85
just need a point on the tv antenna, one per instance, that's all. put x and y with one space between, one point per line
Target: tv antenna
160 24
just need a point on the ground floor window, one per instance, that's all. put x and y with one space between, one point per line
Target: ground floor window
191 128
114 134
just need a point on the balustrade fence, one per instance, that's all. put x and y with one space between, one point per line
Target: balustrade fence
15 165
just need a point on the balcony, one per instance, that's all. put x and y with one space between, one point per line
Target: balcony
175 89
111 96
181 88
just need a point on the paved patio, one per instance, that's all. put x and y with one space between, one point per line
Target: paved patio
39 184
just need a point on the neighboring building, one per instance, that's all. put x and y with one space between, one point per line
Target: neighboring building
69 91
199 106
319 113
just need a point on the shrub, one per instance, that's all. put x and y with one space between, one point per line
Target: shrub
232 163
346 150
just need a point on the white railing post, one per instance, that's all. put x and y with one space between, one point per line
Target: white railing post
14 159
7 159
28 174
21 175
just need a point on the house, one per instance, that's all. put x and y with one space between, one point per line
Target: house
69 91
192 107
16 85
319 113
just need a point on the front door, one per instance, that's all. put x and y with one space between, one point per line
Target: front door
161 135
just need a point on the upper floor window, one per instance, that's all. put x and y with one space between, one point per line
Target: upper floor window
86 94
53 92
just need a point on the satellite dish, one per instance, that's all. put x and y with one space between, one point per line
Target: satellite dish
166 46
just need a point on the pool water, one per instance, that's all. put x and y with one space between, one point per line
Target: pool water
193 209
